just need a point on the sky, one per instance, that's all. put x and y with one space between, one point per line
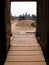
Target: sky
18 8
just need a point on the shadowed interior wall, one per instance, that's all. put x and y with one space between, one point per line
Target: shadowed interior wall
7 24
39 18
48 45
2 33
43 23
5 29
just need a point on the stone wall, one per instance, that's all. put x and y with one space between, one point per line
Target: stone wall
45 26
42 25
39 19
7 24
2 33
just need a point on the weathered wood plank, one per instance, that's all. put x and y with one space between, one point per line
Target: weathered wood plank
25 58
25 63
25 44
25 53
25 48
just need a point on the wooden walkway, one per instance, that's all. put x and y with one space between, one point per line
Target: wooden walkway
25 50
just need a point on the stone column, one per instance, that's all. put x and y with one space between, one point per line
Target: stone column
7 23
39 19
2 33
45 26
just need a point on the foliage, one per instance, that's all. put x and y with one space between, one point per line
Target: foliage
21 17
33 24
24 17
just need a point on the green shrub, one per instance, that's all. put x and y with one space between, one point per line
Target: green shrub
33 24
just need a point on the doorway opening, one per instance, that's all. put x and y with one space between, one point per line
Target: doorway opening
24 48
24 17
23 20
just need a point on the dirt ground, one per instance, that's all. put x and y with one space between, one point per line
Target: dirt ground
22 25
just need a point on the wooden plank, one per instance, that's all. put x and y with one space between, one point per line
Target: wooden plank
25 63
25 53
25 44
25 48
24 39
25 58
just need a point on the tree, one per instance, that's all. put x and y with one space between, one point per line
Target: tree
34 17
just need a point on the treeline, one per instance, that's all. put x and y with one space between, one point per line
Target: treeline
25 17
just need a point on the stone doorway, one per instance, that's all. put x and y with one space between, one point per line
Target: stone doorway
24 49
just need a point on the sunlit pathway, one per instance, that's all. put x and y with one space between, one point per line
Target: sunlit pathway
25 50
